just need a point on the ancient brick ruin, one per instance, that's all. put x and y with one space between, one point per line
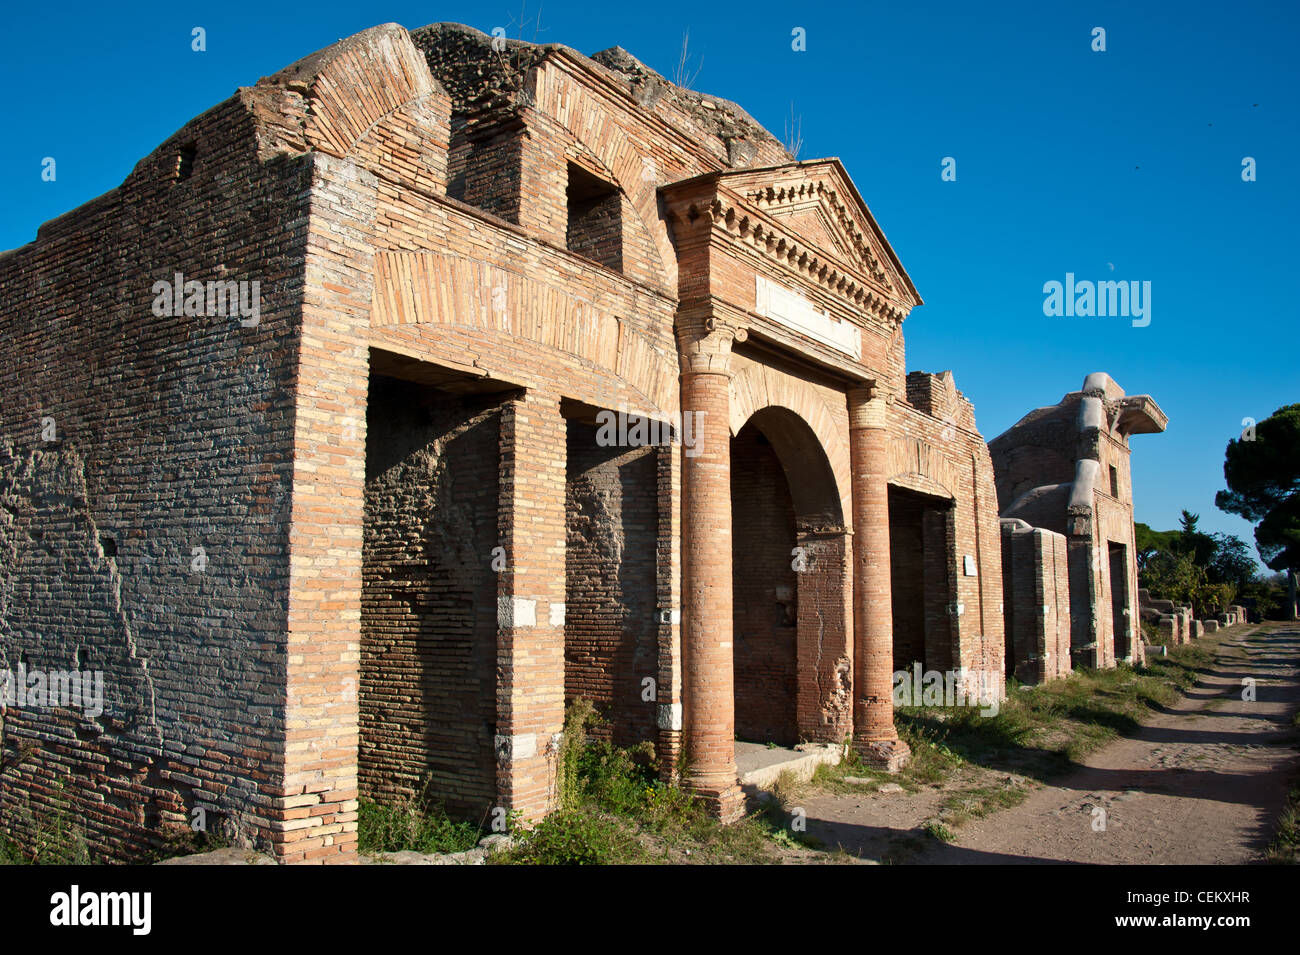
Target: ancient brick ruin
559 381
1176 623
1065 493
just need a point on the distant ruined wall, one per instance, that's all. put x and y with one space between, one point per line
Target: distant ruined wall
1066 468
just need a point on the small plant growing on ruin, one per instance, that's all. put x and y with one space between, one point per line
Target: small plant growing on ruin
411 823
596 771
575 838
682 75
1152 636
785 787
793 140
181 840
50 837
578 718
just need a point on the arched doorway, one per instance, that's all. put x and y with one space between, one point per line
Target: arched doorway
792 617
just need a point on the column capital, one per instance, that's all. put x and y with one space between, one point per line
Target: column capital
704 343
869 404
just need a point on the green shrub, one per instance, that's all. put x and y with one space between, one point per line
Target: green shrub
937 830
182 840
10 853
614 778
409 825
575 838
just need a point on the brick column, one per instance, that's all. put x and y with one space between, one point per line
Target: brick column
530 604
313 807
874 738
708 687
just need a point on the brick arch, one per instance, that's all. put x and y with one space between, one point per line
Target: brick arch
917 464
807 470
382 63
800 687
758 387
588 120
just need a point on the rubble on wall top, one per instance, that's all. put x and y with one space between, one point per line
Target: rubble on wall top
475 75
721 117
480 78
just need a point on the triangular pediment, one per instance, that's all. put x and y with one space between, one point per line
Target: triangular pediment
818 202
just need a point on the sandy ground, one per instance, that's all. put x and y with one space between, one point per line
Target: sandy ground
1202 782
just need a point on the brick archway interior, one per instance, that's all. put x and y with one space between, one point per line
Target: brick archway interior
791 619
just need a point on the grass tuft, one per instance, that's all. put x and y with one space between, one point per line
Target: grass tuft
410 824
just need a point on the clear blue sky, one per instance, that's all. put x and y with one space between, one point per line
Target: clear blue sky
1068 160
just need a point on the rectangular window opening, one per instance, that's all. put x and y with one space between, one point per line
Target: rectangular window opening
595 229
185 161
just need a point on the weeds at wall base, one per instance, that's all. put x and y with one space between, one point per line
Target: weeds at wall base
411 825
44 838
616 811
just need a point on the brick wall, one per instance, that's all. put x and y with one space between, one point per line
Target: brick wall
945 459
1066 468
610 633
595 219
1035 580
150 459
921 568
530 603
424 226
483 166
907 578
428 611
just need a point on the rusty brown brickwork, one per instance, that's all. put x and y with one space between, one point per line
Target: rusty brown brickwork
611 641
1036 582
428 608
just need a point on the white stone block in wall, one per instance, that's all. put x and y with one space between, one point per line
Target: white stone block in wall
789 308
516 612
670 716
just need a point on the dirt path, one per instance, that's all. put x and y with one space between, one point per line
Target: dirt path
1202 782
